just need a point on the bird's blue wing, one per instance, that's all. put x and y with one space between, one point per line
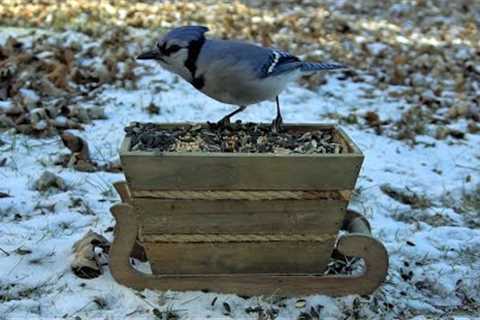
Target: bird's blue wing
279 62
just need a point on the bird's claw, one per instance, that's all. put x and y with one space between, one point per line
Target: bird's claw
277 124
225 121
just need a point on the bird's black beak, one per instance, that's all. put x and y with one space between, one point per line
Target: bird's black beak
148 55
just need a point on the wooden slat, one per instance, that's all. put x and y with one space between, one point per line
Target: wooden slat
353 245
241 171
345 140
240 216
211 258
177 172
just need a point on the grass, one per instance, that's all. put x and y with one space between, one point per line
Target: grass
470 201
407 196
39 260
7 291
82 206
468 205
102 186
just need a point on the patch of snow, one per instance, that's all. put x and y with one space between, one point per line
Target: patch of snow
40 285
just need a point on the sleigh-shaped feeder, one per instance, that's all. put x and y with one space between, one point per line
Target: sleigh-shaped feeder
243 223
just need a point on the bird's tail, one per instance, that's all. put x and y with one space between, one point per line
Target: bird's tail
312 66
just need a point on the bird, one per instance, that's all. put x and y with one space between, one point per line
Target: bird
230 71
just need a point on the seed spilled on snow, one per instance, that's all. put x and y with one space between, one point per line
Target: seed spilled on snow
237 137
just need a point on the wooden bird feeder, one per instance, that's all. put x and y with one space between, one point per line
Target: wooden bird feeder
243 223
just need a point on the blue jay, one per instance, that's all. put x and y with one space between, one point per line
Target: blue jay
231 72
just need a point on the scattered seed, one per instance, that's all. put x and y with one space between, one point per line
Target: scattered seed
237 137
213 301
22 252
300 303
227 308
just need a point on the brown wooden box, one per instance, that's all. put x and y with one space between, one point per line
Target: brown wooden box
150 173
242 223
243 171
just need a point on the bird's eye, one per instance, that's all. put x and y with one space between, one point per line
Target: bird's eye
173 48
162 48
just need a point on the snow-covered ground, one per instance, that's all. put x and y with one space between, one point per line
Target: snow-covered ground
434 249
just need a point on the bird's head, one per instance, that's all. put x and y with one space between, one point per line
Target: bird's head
176 49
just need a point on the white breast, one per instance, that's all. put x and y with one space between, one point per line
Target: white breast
241 90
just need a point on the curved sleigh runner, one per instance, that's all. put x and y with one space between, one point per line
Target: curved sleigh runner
256 224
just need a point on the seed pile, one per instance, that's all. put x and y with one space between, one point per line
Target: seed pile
237 137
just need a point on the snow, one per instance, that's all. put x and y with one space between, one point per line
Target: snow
40 285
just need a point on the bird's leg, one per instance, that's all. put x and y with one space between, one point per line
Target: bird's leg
277 123
226 120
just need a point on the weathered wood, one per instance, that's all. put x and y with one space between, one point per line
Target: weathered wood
354 222
214 172
242 171
123 191
239 257
346 141
138 252
373 252
246 246
240 216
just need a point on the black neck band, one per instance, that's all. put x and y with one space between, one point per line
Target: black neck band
193 52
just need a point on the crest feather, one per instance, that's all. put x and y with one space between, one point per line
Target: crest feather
187 33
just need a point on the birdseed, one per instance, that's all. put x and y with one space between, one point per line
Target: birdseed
237 137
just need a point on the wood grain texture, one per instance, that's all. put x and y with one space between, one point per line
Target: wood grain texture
138 252
371 250
284 267
242 171
240 216
354 222
239 257
122 189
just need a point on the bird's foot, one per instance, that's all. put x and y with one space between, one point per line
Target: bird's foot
225 121
277 124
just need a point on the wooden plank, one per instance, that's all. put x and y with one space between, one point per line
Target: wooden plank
347 141
242 171
241 257
177 172
355 245
240 216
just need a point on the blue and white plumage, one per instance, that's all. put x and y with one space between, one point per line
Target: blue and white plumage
229 71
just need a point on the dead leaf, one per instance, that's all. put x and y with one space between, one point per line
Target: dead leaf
85 263
4 195
76 145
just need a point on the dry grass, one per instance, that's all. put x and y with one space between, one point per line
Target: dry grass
470 207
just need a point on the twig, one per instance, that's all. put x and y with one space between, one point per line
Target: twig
82 308
13 268
190 300
138 309
5 252
467 167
